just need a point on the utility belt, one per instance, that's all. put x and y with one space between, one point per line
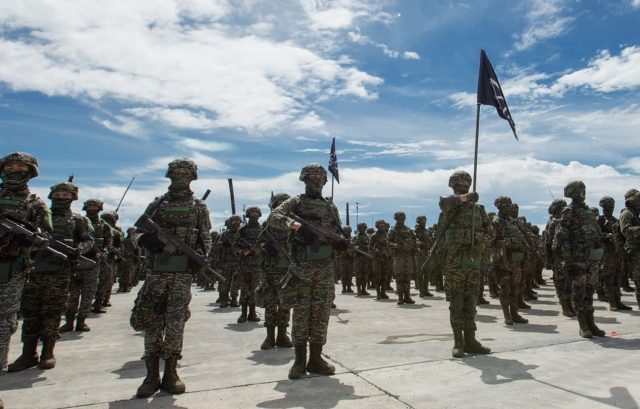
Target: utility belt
48 265
277 262
178 263
307 253
10 269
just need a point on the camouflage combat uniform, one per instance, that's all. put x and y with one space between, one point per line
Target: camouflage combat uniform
344 264
18 202
578 241
611 269
404 244
162 306
313 268
382 258
425 241
630 228
462 261
561 279
109 272
361 263
227 259
249 272
128 263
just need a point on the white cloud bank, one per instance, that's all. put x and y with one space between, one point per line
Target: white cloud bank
545 19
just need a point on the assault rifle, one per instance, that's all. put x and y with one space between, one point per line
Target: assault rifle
30 234
321 232
171 244
273 242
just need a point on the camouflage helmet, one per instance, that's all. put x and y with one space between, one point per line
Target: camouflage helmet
64 187
459 176
398 215
630 194
183 163
535 229
380 223
131 230
110 217
556 205
421 218
361 226
93 202
234 218
607 201
370 230
277 199
313 169
502 200
574 187
595 210
252 209
347 229
21 157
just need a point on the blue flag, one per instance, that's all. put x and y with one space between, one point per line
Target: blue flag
490 91
333 162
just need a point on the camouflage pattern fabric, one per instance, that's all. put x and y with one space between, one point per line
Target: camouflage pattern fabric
425 241
361 263
404 268
509 241
275 315
43 302
611 268
82 290
382 258
162 309
10 294
226 259
108 271
249 272
630 229
228 271
405 244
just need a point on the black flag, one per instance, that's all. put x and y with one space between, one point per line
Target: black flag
490 91
333 162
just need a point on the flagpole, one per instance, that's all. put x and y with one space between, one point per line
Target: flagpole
475 174
332 177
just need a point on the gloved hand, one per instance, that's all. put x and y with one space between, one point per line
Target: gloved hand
151 242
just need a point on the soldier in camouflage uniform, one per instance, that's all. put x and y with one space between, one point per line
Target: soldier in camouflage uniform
437 263
45 295
361 264
462 260
382 259
611 270
274 270
509 245
579 245
249 273
210 285
404 243
84 283
127 263
16 169
227 259
522 265
630 229
108 274
344 264
162 306
425 241
312 268
561 280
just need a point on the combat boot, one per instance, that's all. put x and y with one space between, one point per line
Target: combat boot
349 289
270 341
171 382
458 344
234 301
584 332
507 315
29 357
364 290
243 315
482 300
283 340
400 298
517 318
68 325
472 345
299 368
383 294
344 288
224 302
613 301
1 404
378 296
318 365
98 308
106 302
523 305
151 383
638 300
601 296
567 309
81 326
592 325
253 317
47 359
620 305
407 298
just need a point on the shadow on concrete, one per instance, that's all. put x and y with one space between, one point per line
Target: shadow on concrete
544 329
413 306
543 302
497 371
132 370
224 310
161 400
415 338
272 357
606 320
23 379
542 313
336 311
243 327
486 318
489 306
312 392
618 343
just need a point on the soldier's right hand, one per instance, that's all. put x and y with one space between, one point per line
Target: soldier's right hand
151 242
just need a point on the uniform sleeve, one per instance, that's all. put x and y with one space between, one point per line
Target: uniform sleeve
626 226
83 235
279 217
561 236
42 216
204 227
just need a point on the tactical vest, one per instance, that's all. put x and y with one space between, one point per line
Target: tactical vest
632 244
584 232
272 257
64 229
609 225
459 231
248 235
13 259
316 211
98 233
226 242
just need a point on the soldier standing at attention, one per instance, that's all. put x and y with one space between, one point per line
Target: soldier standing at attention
162 307
228 259
462 216
250 266
16 169
361 264
404 244
382 259
425 241
47 289
578 241
344 264
630 228
313 267
109 275
561 280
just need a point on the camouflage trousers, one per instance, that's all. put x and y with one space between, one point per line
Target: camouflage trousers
422 279
226 289
82 290
561 280
403 268
362 270
344 267
634 272
247 279
311 317
611 274
105 281
461 285
382 268
275 315
126 273
171 293
43 302
584 280
509 283
10 294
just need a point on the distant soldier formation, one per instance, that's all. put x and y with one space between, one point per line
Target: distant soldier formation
55 263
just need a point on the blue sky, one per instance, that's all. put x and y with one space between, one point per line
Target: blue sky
255 89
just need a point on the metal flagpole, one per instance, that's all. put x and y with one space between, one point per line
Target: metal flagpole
332 177
475 174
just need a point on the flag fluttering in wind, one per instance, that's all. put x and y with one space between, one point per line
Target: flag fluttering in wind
333 162
490 91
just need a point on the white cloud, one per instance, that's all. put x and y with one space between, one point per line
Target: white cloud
635 4
122 125
359 38
410 55
200 145
194 64
545 19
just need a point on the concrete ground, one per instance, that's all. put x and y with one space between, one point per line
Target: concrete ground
387 356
